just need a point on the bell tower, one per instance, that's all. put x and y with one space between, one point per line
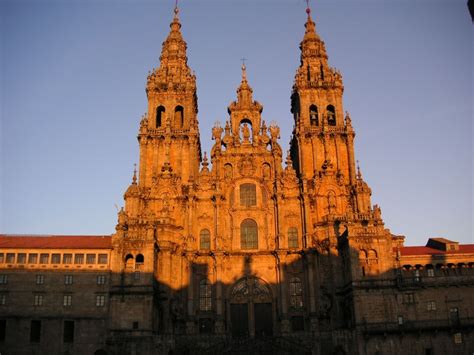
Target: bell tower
169 133
323 137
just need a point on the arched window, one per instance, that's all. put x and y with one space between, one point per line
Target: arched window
179 116
139 259
205 295
331 114
248 234
372 257
292 238
313 115
160 116
129 261
296 293
205 240
248 195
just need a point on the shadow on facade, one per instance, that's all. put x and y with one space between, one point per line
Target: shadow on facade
322 301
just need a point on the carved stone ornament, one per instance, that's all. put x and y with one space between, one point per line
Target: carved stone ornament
246 166
250 288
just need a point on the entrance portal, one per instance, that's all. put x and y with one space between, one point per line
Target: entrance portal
251 310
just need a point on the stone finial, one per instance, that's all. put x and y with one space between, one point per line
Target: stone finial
205 163
359 174
348 119
134 179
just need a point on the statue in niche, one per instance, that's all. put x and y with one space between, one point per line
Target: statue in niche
245 132
266 171
331 202
228 171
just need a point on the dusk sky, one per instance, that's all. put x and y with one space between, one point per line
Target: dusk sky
72 94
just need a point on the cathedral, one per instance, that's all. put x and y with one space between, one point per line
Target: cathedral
247 250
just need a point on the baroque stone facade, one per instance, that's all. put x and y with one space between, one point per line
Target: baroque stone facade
246 255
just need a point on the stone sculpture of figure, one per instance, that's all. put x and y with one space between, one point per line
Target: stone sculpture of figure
217 132
274 132
228 171
245 132
331 201
377 212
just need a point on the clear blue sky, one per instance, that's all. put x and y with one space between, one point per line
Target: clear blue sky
73 79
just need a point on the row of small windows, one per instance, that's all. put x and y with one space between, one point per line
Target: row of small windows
68 279
134 261
44 258
314 115
178 116
248 236
38 300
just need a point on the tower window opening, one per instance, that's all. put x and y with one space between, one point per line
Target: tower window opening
129 261
331 114
248 234
205 240
140 259
179 116
313 115
160 115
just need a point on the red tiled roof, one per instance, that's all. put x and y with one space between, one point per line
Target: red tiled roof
408 251
56 241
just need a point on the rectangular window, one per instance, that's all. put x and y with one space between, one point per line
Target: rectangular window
68 333
32 258
248 195
2 258
68 279
44 258
3 329
3 279
90 259
431 306
100 300
457 338
136 275
3 299
79 259
35 331
67 258
38 300
101 280
39 279
102 258
400 320
21 258
67 300
10 258
454 315
409 298
430 272
135 325
55 258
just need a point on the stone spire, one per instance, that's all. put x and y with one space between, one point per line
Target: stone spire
244 91
173 67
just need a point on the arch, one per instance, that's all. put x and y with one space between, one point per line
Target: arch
179 116
205 295
372 257
248 234
140 259
313 115
362 256
292 238
160 116
205 239
129 261
331 115
296 293
248 195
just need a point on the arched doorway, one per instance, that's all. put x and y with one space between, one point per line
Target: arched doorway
251 309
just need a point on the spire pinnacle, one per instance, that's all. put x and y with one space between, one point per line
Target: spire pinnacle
359 174
134 179
244 70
